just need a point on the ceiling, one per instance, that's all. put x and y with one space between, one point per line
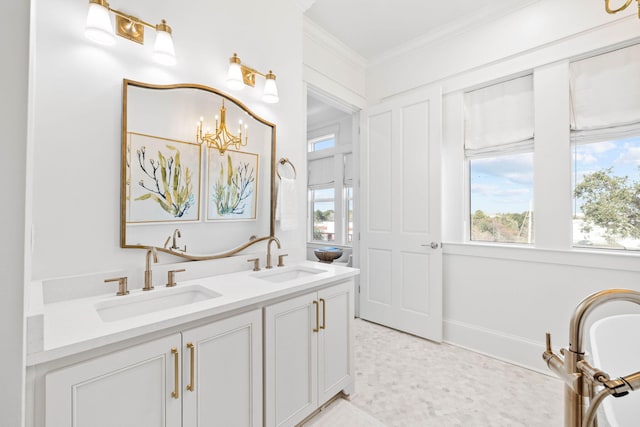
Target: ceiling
374 27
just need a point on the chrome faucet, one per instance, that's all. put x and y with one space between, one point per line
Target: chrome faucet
148 275
271 239
580 378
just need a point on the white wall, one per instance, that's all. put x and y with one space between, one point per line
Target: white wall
545 31
77 108
13 122
501 300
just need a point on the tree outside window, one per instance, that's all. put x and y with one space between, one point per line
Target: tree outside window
607 194
323 204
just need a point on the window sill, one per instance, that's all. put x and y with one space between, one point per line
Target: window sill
315 244
578 257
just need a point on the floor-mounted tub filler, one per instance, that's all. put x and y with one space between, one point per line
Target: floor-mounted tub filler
586 387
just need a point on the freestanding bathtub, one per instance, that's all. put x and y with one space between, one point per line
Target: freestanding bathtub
615 344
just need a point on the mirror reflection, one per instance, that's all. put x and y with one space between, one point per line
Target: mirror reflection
197 171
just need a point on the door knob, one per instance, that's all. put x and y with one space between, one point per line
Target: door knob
432 245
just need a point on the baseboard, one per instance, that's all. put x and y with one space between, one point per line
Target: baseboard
507 348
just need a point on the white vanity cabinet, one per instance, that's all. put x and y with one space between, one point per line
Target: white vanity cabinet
205 376
308 353
128 388
222 373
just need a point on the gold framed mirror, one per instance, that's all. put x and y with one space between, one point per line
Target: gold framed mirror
197 171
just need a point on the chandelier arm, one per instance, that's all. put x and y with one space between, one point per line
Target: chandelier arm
222 138
607 6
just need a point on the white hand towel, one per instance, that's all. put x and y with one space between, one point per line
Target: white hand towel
286 204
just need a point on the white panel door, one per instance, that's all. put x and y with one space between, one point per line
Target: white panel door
401 255
222 373
128 388
291 360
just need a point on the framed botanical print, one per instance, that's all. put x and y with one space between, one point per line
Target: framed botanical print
232 186
163 180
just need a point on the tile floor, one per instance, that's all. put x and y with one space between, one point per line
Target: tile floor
405 381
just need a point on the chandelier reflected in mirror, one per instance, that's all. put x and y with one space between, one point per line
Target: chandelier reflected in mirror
221 138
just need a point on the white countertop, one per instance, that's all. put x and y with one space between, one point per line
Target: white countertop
73 326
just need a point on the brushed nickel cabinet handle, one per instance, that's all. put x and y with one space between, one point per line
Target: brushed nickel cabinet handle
324 313
315 303
191 386
176 380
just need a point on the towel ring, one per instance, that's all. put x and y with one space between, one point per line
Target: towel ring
283 161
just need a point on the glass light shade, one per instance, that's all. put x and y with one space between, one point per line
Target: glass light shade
99 27
234 77
270 94
163 51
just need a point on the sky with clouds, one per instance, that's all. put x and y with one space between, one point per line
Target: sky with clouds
623 156
504 184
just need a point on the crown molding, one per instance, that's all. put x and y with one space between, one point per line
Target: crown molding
320 35
449 30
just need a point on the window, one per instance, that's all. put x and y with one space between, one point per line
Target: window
499 154
587 175
501 190
322 143
348 197
324 208
605 136
606 190
330 189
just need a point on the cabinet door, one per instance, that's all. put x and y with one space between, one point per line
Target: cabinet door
222 383
128 388
335 358
291 391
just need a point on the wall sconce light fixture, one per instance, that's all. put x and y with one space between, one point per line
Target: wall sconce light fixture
100 29
607 7
221 139
240 75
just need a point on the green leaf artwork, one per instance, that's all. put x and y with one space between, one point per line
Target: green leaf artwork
169 182
233 188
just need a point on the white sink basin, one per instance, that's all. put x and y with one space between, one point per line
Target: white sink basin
149 302
293 273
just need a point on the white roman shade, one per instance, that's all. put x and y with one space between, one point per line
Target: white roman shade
321 171
605 96
499 118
